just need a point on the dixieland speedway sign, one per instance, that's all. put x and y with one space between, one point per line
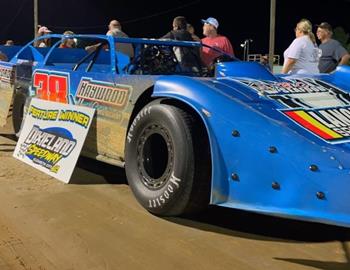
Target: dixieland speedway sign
52 137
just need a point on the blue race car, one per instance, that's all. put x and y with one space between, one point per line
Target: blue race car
238 137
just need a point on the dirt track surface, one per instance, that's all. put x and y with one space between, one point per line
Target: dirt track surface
96 223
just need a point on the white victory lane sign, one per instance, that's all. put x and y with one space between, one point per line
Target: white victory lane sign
52 137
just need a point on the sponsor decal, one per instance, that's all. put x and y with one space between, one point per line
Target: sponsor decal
7 74
51 85
301 93
332 124
116 95
317 106
46 147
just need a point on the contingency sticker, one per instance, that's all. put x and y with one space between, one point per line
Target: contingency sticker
331 124
52 137
7 75
315 105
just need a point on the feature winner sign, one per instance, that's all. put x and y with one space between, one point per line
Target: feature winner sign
52 137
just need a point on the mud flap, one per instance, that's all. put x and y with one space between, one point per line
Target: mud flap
7 78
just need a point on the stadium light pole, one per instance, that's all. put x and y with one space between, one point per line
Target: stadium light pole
272 32
35 18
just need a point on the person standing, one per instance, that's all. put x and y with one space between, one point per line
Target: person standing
68 43
333 53
188 57
190 29
42 43
213 39
9 42
115 30
302 55
179 31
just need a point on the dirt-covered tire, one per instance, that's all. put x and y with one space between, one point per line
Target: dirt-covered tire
18 110
164 161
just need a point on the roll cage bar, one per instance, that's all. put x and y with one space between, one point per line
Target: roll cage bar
106 39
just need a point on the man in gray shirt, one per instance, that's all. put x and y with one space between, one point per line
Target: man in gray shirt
333 53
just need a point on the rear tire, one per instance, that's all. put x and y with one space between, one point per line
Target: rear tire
18 111
164 164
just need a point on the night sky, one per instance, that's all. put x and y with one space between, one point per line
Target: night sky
247 19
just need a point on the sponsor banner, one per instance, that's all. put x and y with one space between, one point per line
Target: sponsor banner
52 137
7 75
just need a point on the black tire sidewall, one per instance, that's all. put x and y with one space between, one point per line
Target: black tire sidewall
173 196
17 111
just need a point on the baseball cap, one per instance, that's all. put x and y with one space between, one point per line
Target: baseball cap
214 22
44 29
325 25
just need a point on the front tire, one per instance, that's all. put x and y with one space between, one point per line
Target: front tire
162 161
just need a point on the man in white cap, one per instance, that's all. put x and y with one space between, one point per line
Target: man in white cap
213 39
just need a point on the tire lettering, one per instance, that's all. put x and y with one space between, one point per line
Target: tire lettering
174 183
141 114
175 180
166 194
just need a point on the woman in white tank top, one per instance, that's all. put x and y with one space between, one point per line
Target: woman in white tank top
302 55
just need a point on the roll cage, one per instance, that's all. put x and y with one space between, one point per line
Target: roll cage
151 56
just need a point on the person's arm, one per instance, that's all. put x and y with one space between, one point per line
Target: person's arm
168 35
288 65
91 48
345 59
340 54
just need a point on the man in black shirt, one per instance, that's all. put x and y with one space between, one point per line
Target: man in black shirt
188 57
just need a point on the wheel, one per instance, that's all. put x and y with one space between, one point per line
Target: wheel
17 111
166 169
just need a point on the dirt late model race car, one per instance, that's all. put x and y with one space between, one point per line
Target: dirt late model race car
240 137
